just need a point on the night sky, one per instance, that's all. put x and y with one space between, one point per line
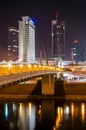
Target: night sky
73 12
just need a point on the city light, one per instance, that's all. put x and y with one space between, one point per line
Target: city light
9 66
32 21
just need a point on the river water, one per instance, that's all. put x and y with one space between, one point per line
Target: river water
43 115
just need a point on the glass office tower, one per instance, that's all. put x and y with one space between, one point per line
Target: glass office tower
27 40
13 34
58 38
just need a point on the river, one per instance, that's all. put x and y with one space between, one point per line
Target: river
43 114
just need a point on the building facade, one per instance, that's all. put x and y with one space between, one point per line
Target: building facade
58 38
13 35
26 40
75 56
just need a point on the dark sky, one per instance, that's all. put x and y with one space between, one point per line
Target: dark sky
73 12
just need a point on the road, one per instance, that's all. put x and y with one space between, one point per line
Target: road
76 76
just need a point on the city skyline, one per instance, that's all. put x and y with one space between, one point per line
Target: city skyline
72 12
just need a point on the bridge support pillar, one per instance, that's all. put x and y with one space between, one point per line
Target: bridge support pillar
48 85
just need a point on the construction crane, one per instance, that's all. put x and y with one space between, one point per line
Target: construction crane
45 54
44 50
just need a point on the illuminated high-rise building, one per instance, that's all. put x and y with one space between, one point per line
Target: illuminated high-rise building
27 40
13 34
75 56
58 37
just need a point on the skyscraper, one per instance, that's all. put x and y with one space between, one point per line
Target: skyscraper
13 34
27 40
75 56
58 37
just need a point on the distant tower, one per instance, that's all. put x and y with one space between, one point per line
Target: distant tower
57 14
27 40
58 37
83 54
13 34
75 51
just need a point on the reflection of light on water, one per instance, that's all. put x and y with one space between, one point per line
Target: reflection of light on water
83 112
31 116
58 117
22 124
20 109
22 117
76 111
14 107
72 113
67 110
6 110
40 111
29 109
27 116
72 110
13 123
60 111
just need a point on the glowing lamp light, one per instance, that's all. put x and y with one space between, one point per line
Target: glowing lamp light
75 41
9 66
20 59
31 21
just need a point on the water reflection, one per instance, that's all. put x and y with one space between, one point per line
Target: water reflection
27 116
71 116
83 112
6 111
45 114
46 121
59 117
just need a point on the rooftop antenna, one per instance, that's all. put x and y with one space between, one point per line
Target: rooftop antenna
57 14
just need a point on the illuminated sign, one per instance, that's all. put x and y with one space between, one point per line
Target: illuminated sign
31 21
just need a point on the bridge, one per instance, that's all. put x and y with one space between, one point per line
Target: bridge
11 74
21 77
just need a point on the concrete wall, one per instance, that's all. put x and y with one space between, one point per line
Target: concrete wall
75 88
70 90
